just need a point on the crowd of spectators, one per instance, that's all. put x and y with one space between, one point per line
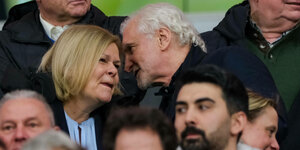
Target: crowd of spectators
72 78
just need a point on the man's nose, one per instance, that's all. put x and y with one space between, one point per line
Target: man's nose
274 144
21 135
190 118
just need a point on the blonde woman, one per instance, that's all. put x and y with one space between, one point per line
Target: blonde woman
261 128
84 64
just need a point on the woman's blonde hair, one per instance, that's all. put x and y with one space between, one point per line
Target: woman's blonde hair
257 104
73 57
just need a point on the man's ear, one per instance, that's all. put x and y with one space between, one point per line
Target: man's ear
238 122
164 36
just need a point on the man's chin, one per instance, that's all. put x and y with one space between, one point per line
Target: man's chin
142 86
15 147
194 143
78 11
143 83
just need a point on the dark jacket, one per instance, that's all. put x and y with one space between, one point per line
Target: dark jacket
18 11
23 43
61 121
231 31
291 141
168 94
250 70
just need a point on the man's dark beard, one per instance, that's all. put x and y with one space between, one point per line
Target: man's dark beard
194 144
218 140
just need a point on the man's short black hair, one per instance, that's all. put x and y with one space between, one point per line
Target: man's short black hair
132 118
233 90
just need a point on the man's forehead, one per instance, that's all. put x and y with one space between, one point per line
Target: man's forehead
22 109
195 91
20 104
131 27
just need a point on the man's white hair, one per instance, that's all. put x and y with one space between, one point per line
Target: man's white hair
154 16
49 140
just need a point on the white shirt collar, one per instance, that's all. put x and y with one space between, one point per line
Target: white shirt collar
243 146
51 29
46 25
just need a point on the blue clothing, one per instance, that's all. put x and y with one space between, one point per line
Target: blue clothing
83 133
98 117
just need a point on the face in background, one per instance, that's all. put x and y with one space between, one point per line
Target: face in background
142 54
21 120
202 119
137 139
261 132
104 78
69 8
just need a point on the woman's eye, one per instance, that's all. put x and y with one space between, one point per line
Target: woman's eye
102 60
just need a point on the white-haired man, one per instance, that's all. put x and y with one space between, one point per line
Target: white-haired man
160 42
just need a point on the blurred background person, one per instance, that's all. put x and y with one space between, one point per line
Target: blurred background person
23 115
51 140
262 124
138 128
84 64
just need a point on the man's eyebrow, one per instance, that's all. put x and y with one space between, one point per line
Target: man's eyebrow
204 99
7 121
31 118
273 128
180 102
199 100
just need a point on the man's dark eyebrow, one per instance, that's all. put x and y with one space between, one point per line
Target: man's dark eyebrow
180 103
204 99
32 119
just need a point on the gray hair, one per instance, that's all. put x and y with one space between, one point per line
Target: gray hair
154 16
49 140
21 94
